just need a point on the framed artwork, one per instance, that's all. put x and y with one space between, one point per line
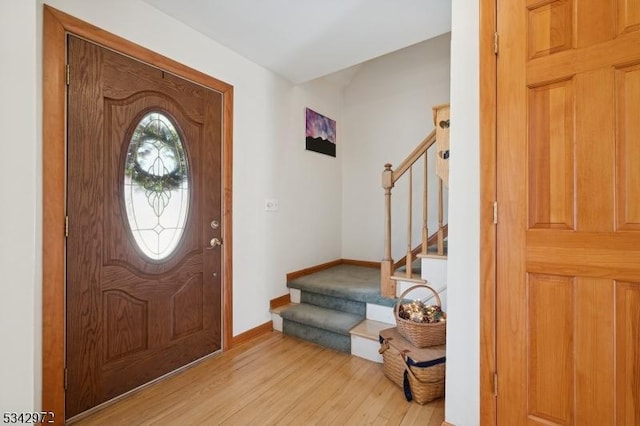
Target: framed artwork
320 133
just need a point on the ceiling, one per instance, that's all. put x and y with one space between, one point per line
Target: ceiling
303 39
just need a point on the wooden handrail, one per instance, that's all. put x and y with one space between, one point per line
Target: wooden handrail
403 261
414 156
433 239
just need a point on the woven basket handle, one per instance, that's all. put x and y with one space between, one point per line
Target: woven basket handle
404 293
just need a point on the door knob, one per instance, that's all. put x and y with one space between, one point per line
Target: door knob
215 242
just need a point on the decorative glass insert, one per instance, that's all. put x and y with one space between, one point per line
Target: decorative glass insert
156 186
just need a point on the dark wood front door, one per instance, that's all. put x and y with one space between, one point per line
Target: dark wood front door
144 210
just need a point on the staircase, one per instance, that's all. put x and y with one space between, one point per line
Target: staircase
340 306
344 304
337 307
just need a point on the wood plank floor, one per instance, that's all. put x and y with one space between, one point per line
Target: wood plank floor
272 380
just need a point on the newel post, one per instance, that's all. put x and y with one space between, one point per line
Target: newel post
387 285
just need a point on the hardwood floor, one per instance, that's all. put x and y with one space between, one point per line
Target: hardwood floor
273 380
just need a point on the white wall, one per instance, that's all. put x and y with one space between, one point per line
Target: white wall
19 214
306 229
462 385
387 113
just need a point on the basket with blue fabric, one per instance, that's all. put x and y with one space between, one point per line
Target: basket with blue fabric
419 372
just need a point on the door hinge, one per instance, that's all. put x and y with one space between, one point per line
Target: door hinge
495 212
67 74
495 43
495 384
66 226
66 377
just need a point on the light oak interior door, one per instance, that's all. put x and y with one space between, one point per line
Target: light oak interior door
144 209
568 235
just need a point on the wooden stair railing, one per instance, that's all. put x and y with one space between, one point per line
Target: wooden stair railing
389 178
419 249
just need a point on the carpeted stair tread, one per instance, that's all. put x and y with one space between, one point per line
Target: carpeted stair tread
350 282
322 318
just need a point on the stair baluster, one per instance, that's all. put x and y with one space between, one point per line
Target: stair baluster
425 205
387 285
440 220
409 257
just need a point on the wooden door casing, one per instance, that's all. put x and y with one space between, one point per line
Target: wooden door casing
568 240
131 320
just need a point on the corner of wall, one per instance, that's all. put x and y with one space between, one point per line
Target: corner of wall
463 343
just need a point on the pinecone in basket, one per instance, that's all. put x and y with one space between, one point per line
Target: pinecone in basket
417 311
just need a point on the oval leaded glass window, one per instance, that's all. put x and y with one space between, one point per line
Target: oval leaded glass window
156 186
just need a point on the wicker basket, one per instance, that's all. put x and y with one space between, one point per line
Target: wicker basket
425 390
422 381
421 335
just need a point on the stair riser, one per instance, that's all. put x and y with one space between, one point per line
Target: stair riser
276 320
321 337
381 313
295 295
351 306
366 348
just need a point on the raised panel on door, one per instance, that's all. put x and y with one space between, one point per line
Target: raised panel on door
549 27
628 16
594 345
550 356
627 92
627 319
551 155
595 150
125 321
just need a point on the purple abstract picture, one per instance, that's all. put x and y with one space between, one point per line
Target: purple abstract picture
320 133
